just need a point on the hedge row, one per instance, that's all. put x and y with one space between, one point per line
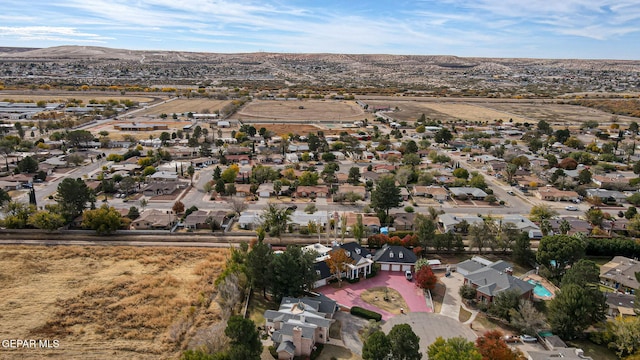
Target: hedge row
365 314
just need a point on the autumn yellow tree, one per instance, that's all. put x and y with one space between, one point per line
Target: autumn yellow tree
337 262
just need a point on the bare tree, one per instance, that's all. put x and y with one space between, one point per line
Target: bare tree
210 339
229 294
238 205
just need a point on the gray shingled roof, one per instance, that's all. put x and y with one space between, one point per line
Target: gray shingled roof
390 254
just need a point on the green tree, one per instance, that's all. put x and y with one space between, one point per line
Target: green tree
259 261
503 302
46 220
376 347
521 250
527 319
541 212
292 261
405 344
229 175
594 216
443 136
386 195
245 339
574 309
564 227
78 137
425 230
584 177
455 348
354 175
104 220
28 165
275 220
626 334
461 173
73 196
635 198
544 127
309 178
133 213
4 197
630 212
557 252
583 273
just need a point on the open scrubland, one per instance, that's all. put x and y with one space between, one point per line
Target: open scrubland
110 302
301 110
55 96
179 106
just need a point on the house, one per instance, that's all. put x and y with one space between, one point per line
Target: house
164 176
249 220
153 219
202 219
160 188
266 190
520 222
468 192
404 193
299 324
301 219
559 353
478 262
577 226
239 159
620 304
436 192
489 282
395 258
404 221
312 192
619 274
362 260
450 222
369 221
607 196
552 194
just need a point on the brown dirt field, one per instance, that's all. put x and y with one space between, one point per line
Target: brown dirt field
107 302
300 129
314 110
64 97
186 105
446 111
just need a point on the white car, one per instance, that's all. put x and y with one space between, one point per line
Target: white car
408 275
528 338
571 208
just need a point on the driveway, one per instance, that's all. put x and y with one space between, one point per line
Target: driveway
452 299
431 326
349 294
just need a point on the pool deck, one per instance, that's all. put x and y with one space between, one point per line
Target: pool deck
544 282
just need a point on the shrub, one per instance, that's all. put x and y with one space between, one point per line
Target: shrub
365 314
353 281
272 351
304 231
409 209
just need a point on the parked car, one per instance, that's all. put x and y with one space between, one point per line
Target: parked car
528 338
408 275
510 193
511 339
571 208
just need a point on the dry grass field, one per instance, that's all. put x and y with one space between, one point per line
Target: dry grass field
53 97
107 302
478 109
180 106
313 110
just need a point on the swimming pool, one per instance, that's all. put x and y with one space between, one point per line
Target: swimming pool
540 290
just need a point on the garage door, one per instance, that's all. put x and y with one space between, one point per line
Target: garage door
395 267
406 267
384 267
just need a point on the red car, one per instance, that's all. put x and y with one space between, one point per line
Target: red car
510 339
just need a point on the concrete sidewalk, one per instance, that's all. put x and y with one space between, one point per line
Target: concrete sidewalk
452 300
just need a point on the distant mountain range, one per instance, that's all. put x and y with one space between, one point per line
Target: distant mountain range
419 71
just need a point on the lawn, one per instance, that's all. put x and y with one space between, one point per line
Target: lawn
464 315
437 295
257 306
598 352
335 330
376 297
337 352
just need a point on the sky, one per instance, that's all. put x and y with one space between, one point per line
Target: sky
584 29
